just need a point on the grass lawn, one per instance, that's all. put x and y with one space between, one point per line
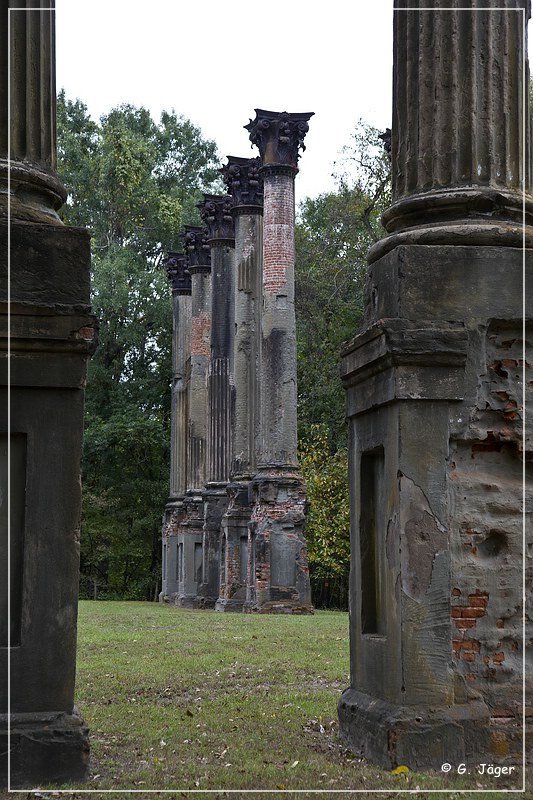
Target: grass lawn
202 700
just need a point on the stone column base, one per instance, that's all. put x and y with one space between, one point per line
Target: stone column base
423 737
46 748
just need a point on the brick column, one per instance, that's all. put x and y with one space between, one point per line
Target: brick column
49 336
279 575
180 281
190 533
245 186
216 214
435 401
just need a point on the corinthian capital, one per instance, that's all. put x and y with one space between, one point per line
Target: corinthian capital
244 182
178 274
215 211
279 136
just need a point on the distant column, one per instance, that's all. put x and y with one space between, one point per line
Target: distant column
278 556
49 333
180 281
245 185
35 190
216 214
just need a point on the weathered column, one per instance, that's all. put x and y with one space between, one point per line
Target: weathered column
180 281
245 186
190 533
51 335
458 171
216 214
435 388
34 191
279 574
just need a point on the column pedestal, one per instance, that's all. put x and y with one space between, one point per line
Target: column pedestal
52 334
434 399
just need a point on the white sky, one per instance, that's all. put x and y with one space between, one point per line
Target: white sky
214 61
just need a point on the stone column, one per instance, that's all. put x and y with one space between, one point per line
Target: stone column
435 397
245 185
458 170
189 564
180 281
216 213
33 188
279 579
51 335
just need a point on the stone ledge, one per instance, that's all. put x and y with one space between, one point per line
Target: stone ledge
419 737
45 748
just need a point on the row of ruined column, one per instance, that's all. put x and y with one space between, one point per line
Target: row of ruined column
233 529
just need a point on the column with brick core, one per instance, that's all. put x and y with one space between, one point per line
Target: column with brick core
245 185
278 579
180 281
216 214
49 332
35 191
436 380
189 565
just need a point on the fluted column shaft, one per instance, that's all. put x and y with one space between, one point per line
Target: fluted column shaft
248 281
221 365
460 133
28 47
200 350
181 353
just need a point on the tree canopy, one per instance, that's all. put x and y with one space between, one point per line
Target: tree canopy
133 183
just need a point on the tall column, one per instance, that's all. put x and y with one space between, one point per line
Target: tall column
180 281
279 574
190 533
245 185
33 187
48 338
458 167
435 401
216 214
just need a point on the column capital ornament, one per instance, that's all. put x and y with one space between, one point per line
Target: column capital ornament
178 274
196 247
279 137
215 211
244 182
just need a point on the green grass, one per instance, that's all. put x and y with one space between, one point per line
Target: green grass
202 700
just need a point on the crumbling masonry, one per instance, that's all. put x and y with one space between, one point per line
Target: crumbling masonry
437 383
233 529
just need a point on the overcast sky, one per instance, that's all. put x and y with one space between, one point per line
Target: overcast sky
215 61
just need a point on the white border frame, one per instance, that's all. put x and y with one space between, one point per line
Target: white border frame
277 791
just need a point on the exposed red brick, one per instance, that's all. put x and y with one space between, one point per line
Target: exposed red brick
465 623
472 613
469 656
500 623
456 611
456 592
479 599
498 658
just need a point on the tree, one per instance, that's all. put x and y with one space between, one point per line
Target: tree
133 183
333 235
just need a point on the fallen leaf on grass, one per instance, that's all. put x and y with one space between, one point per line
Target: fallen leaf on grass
400 770
294 764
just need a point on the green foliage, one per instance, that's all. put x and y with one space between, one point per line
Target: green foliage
333 236
328 522
133 183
